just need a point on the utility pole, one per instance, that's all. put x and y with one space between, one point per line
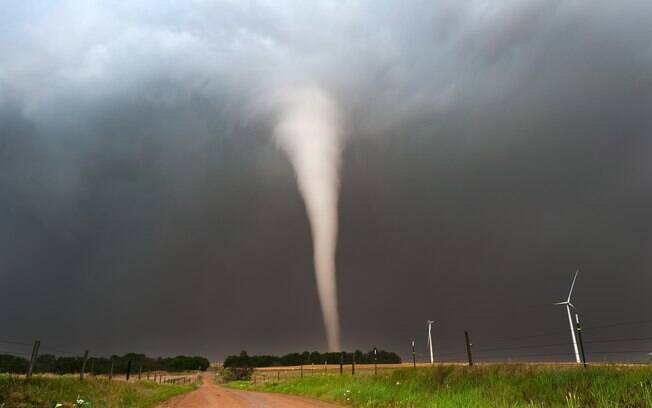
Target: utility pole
83 367
341 363
468 347
111 372
414 356
579 337
32 360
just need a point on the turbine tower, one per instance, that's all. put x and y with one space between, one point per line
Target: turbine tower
568 305
429 324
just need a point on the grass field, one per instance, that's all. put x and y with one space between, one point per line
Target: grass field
496 385
42 391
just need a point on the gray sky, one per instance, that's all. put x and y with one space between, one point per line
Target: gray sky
491 148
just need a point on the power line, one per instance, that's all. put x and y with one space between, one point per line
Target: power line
16 342
17 353
640 322
619 340
523 347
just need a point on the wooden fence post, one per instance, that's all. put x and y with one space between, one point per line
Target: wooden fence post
468 348
128 369
83 367
414 356
32 360
579 337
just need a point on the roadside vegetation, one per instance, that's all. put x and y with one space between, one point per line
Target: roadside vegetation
69 392
499 385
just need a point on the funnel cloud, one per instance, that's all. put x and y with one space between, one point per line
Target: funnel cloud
462 158
308 131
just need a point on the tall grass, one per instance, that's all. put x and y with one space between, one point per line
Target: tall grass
40 391
509 385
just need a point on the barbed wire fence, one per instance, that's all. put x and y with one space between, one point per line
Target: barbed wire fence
85 361
505 350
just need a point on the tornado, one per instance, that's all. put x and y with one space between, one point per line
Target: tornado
308 130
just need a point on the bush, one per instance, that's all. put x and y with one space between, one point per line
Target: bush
237 374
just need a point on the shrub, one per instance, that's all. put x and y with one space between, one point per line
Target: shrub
237 373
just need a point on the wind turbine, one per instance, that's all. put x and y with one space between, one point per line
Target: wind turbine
568 305
429 342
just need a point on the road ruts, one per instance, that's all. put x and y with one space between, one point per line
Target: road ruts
210 395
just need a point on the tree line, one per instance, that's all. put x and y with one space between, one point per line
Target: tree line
48 363
315 357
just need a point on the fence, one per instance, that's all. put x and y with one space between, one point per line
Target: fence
520 349
526 348
82 364
264 375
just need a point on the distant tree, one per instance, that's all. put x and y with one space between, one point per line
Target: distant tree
13 364
45 363
102 365
241 360
315 357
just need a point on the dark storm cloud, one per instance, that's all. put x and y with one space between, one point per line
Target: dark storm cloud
491 149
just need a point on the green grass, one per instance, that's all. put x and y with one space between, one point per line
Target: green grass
509 385
40 391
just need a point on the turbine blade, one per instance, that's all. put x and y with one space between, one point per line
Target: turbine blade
560 303
573 285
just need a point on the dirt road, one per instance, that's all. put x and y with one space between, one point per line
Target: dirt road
209 395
